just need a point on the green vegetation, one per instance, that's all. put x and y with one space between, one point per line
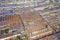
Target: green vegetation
46 8
0 3
58 23
6 30
2 32
26 37
9 0
18 38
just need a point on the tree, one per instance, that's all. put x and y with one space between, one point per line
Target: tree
18 38
2 32
6 30
26 37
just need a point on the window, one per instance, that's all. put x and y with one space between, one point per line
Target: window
42 30
35 32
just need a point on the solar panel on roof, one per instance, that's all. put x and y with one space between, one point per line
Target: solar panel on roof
8 11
